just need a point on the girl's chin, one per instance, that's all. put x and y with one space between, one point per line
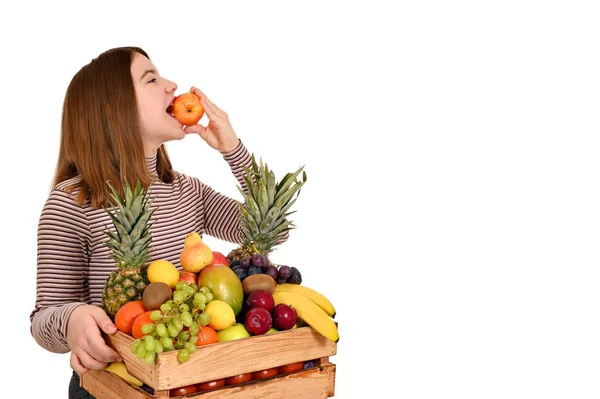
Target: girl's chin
172 135
176 129
176 135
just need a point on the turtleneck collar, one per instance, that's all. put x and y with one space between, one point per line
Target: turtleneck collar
151 163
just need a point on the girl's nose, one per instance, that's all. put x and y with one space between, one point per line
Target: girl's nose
171 86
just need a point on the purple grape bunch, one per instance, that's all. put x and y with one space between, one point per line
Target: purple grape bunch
250 265
260 264
289 275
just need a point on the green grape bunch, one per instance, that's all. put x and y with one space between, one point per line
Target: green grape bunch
184 309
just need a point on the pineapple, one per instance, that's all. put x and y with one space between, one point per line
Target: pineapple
265 209
130 248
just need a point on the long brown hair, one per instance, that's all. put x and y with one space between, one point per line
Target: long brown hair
100 131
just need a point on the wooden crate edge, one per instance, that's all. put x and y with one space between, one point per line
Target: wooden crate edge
223 359
122 342
317 383
103 384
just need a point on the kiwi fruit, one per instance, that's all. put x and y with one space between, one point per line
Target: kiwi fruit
155 294
257 282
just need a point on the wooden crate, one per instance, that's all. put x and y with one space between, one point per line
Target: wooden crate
222 360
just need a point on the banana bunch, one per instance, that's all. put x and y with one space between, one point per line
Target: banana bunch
312 307
118 368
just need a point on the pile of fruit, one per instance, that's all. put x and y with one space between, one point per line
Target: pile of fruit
184 310
187 309
215 298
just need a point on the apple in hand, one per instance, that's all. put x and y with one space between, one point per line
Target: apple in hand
187 109
219 259
189 277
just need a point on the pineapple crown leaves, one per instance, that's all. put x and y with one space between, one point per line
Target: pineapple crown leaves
267 202
129 246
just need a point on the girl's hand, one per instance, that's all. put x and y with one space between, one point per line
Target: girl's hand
218 133
88 349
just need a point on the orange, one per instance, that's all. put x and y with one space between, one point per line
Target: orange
127 314
207 335
139 322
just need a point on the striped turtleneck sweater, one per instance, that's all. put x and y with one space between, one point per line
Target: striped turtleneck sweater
73 261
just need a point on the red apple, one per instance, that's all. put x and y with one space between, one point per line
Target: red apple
190 277
219 259
187 109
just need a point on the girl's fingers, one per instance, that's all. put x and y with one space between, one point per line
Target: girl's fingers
216 109
89 362
201 130
214 106
197 92
213 112
102 352
76 364
210 108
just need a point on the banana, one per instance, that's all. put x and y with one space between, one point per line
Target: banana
310 312
311 294
119 369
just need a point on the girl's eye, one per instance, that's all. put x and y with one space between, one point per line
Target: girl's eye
152 80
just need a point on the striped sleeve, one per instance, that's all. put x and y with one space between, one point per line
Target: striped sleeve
63 234
221 213
237 160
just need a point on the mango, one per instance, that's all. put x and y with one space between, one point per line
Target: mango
224 284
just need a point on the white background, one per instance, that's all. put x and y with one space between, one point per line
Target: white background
452 206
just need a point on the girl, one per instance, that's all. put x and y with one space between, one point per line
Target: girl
114 126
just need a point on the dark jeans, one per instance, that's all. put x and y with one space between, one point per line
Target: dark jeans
77 392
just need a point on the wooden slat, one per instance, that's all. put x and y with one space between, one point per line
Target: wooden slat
225 359
324 361
135 366
103 384
318 383
310 384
